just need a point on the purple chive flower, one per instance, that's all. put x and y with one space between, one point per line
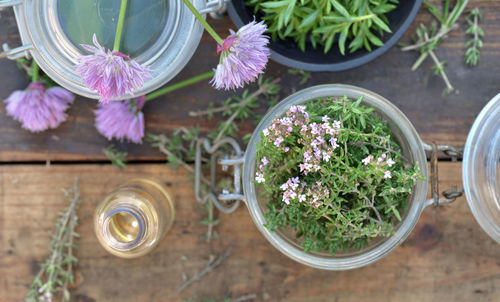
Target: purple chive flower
111 73
121 120
38 109
243 56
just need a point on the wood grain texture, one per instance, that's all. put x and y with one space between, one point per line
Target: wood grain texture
448 257
417 94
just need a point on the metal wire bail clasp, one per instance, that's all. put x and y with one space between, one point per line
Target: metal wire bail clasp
216 8
18 52
449 195
225 201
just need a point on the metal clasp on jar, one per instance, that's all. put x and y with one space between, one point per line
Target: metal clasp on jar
449 195
215 8
21 51
226 201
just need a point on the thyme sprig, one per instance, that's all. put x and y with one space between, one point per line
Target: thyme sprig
356 23
428 37
56 273
304 75
246 297
472 54
213 262
118 158
180 147
332 171
238 108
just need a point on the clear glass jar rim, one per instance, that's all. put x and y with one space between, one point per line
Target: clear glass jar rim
480 168
37 23
416 148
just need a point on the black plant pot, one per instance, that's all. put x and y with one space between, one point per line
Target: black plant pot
287 52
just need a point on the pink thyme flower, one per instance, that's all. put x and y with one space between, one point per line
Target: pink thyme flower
121 120
243 56
390 162
278 141
111 73
367 160
260 177
38 109
387 174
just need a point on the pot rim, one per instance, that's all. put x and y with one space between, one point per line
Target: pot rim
350 64
419 196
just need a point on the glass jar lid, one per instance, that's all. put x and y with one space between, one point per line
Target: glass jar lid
481 170
159 34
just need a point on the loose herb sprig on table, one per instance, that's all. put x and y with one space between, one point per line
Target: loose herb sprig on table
213 262
56 273
332 171
356 23
247 297
427 38
472 54
238 108
180 147
118 158
304 75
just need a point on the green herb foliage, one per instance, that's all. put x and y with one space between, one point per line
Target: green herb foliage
428 37
56 273
118 158
304 75
474 45
352 24
27 66
357 193
180 147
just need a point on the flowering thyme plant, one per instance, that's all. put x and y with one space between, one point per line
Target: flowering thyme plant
331 171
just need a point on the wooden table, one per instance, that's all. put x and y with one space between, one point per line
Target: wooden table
448 257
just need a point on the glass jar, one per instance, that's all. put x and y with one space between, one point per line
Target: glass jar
412 149
131 220
481 170
159 34
480 166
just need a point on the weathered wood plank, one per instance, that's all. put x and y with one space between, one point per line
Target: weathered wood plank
448 257
417 94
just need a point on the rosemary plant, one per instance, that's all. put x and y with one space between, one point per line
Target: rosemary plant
56 273
355 23
332 172
428 37
472 55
